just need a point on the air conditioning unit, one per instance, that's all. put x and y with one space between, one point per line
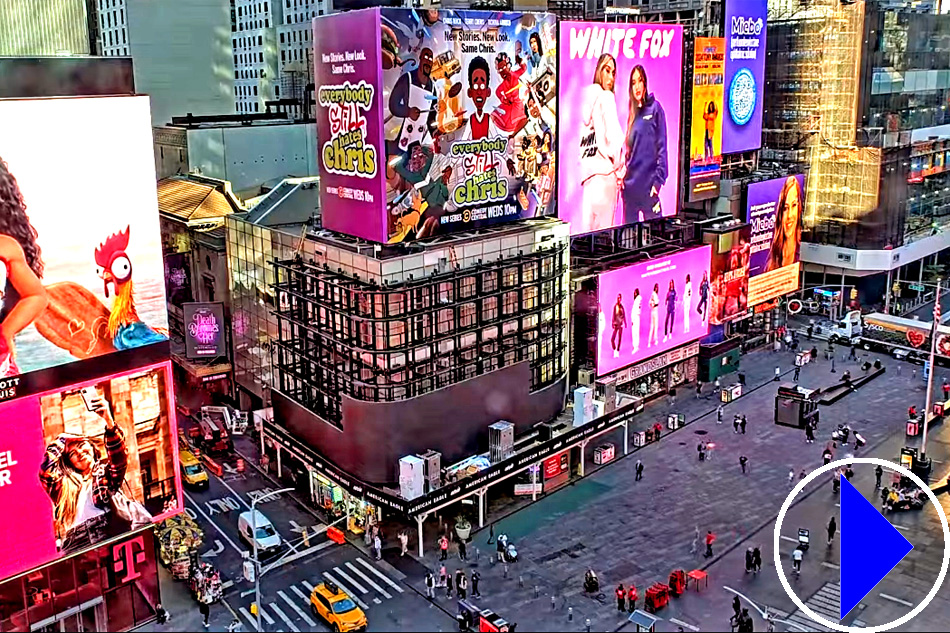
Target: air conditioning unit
411 477
586 376
501 441
432 469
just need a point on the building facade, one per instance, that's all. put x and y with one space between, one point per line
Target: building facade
45 27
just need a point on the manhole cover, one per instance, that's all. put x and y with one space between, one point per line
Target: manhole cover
682 443
701 432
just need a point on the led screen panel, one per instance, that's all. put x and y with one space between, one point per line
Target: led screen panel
705 135
745 74
775 208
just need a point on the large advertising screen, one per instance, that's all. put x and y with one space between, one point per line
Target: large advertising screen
469 118
81 465
745 74
653 306
204 330
620 89
775 209
729 277
81 272
705 134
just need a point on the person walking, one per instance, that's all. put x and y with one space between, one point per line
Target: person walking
161 615
631 598
836 481
430 585
621 597
459 581
443 547
463 550
853 354
742 423
797 560
826 456
878 473
735 424
801 475
378 546
848 473
719 414
403 543
234 626
832 529
205 612
748 560
778 372
946 390
475 578
710 539
699 389
736 607
798 370
791 477
756 559
448 586
743 462
701 449
672 395
809 434
885 493
639 471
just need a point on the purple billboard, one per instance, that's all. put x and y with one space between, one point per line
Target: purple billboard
346 72
651 307
619 161
775 209
745 74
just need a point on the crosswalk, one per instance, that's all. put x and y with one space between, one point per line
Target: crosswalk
290 611
825 602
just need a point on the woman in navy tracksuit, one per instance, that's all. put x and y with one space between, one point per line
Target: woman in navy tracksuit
646 154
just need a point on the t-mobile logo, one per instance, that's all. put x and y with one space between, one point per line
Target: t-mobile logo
125 556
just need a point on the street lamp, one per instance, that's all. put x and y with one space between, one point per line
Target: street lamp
257 562
930 376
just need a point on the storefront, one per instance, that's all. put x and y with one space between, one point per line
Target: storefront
655 377
557 471
112 587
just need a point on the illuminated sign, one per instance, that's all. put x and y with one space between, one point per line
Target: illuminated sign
774 211
204 325
744 74
729 277
705 144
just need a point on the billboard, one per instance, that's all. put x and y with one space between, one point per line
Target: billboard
729 277
745 74
84 464
620 155
653 306
82 273
204 330
705 135
434 121
775 209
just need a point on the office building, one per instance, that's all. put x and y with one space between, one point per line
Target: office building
44 27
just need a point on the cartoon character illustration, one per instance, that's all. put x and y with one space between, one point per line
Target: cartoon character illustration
412 96
481 123
428 201
510 111
22 295
450 116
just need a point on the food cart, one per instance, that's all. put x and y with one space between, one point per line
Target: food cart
179 538
205 583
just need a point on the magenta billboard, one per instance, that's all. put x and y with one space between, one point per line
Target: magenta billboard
346 72
651 307
620 92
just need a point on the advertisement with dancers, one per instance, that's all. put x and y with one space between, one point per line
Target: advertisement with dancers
705 135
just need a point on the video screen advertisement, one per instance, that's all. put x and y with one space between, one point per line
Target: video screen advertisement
745 74
620 89
705 134
204 330
435 121
82 276
729 277
651 307
775 209
87 463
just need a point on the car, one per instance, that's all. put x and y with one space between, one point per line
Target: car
340 611
193 473
254 527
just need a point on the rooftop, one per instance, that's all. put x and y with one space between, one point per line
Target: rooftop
197 200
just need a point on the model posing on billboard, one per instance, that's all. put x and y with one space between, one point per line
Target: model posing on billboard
646 152
22 296
788 226
601 149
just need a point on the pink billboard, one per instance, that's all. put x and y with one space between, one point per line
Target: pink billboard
619 94
651 307
85 464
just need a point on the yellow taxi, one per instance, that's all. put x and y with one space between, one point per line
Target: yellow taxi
192 472
338 609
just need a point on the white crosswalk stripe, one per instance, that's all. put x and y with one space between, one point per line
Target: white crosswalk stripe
347 590
369 581
380 574
250 618
353 583
293 605
283 616
265 615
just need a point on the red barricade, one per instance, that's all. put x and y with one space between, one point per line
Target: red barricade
335 535
213 466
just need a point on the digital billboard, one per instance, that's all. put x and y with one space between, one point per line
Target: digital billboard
87 463
434 121
745 74
653 306
729 276
620 92
705 135
775 208
204 330
82 273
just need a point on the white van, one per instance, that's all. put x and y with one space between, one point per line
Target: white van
267 537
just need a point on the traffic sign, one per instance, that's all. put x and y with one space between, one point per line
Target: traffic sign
870 547
916 287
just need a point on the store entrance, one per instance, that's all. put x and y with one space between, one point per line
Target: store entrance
86 617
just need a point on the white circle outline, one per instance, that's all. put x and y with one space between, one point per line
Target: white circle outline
788 503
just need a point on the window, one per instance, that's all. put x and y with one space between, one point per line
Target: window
467 315
467 287
530 297
281 38
489 308
446 321
511 302
510 277
445 292
489 281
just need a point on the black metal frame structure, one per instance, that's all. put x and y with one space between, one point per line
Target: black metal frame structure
340 335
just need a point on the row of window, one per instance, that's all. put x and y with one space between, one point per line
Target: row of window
242 107
108 19
253 9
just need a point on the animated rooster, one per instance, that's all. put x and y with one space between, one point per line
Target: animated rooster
113 265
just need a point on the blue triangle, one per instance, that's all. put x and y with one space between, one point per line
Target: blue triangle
870 547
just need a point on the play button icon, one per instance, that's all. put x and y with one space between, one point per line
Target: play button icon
870 547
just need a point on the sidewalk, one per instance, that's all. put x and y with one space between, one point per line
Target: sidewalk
181 606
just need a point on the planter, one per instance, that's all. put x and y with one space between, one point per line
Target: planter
463 530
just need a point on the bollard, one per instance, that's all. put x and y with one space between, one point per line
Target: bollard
553 603
833 366
491 561
506 570
570 614
587 624
537 591
521 581
477 552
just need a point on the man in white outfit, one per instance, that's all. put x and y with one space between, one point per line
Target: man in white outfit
601 149
687 302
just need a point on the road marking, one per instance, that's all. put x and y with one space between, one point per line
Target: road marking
346 589
220 531
380 574
897 600
789 538
829 565
900 527
349 579
293 605
227 584
307 584
302 595
248 617
234 492
265 615
683 624
369 581
283 616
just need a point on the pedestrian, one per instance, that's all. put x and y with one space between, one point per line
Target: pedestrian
701 449
745 622
463 550
832 528
736 606
778 372
836 481
777 346
448 586
809 332
621 597
475 578
946 390
826 456
403 543
430 585
814 354
757 559
801 475
657 429
791 477
743 461
710 539
161 615
459 575
718 387
699 389
735 423
798 370
234 626
443 575
853 355
748 560
462 586
797 560
885 493
914 374
205 612
719 414
809 434
639 471
878 473
672 394
378 546
742 423
631 598
443 547
848 473
911 412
